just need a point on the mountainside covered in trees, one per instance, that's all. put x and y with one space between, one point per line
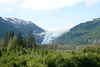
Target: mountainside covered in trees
84 33
22 26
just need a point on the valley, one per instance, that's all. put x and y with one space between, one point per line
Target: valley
24 44
49 33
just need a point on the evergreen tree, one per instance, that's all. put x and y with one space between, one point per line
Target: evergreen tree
9 34
34 43
12 34
29 41
2 44
24 43
1 36
12 44
6 38
19 39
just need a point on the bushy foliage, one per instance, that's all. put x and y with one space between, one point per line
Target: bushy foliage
15 54
21 57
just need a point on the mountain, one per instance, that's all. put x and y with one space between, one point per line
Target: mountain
19 25
52 34
84 33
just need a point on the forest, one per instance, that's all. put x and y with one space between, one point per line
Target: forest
15 51
83 33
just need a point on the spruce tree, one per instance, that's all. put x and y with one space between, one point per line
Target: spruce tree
1 36
2 44
12 34
19 39
12 44
29 41
9 34
34 43
24 43
6 38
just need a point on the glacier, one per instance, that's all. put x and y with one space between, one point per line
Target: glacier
51 34
45 35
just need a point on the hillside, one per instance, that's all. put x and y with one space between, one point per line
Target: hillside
84 33
19 25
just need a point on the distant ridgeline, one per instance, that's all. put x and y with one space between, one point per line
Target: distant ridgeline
18 25
84 33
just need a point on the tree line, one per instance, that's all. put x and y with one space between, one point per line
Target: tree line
15 51
11 41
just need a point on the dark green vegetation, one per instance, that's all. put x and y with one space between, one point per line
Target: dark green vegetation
84 33
11 41
22 57
17 52
20 25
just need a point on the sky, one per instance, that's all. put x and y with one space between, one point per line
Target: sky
51 14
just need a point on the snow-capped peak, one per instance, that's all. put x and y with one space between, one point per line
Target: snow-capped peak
4 18
16 20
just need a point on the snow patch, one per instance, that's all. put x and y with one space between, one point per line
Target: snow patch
40 34
4 18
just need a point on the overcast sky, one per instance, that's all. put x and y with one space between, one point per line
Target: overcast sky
51 13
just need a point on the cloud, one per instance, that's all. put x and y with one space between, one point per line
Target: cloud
53 4
8 1
91 2
43 4
8 5
47 4
8 9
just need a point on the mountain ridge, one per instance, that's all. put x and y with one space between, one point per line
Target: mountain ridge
19 25
84 33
